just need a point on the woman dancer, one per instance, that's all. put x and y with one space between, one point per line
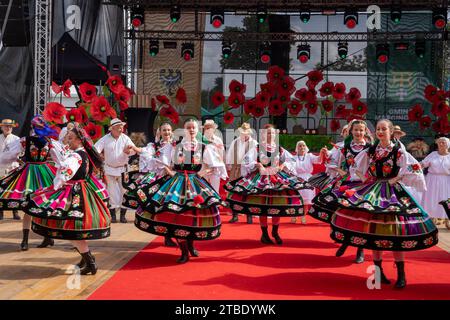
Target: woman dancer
438 180
182 204
71 209
34 173
379 213
266 189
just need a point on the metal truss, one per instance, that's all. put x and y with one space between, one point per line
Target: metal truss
42 54
285 37
129 58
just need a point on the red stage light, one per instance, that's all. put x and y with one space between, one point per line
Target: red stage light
187 57
265 58
217 23
350 23
136 22
303 59
440 23
383 58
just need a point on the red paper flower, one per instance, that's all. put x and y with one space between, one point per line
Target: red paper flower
284 97
101 110
275 73
311 84
339 91
54 112
430 92
440 109
84 116
262 99
218 99
54 136
425 122
65 88
287 85
353 95
303 94
114 83
74 115
276 108
94 131
341 112
326 89
249 106
295 107
442 125
440 96
169 112
162 99
123 96
267 88
181 96
335 125
359 108
315 76
237 87
198 199
228 118
259 111
311 106
327 105
88 92
416 113
235 100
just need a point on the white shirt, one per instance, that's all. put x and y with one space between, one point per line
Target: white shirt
115 159
5 145
238 154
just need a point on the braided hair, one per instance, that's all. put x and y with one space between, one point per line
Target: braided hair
95 158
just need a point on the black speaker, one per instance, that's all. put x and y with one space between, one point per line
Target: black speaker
114 64
141 120
17 30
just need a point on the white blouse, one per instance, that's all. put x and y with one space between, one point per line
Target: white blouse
152 160
437 164
304 165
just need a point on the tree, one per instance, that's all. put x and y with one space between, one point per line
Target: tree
357 62
207 94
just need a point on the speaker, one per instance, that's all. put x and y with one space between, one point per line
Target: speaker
141 120
17 30
114 64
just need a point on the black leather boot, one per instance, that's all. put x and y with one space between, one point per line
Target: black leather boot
194 252
265 236
123 212
168 242
90 265
46 242
184 252
401 277
383 278
113 215
24 244
341 250
234 218
359 255
249 219
16 215
275 234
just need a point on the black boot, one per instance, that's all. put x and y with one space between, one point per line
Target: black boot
234 219
16 215
276 235
123 212
383 278
359 255
192 250
168 242
24 244
184 252
341 250
401 277
113 215
265 236
1 215
249 219
46 242
89 264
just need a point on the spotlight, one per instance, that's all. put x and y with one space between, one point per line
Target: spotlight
439 17
305 15
226 49
382 52
217 18
137 16
153 47
351 17
396 14
303 52
187 51
342 50
175 13
420 48
261 14
265 52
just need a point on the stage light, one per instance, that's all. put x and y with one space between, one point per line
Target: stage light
153 47
305 15
175 13
342 50
382 52
439 17
187 51
226 49
396 14
265 52
137 16
420 48
303 52
217 18
261 14
351 17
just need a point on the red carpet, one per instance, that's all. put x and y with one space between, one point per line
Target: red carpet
238 266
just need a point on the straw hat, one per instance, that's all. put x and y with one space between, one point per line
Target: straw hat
398 131
9 122
115 122
245 129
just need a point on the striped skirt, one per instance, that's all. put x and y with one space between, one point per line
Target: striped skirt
131 181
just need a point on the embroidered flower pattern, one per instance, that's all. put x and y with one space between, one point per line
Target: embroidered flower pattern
405 200
254 210
385 244
415 168
161 229
76 200
144 225
201 234
141 195
428 241
181 233
409 244
214 233
176 207
133 203
13 204
238 207
323 215
358 240
339 235
291 211
273 211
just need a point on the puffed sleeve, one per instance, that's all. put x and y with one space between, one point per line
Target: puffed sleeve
129 142
230 153
13 150
361 165
58 152
427 161
288 160
100 144
213 159
334 158
314 159
146 162
249 161
411 173
67 169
